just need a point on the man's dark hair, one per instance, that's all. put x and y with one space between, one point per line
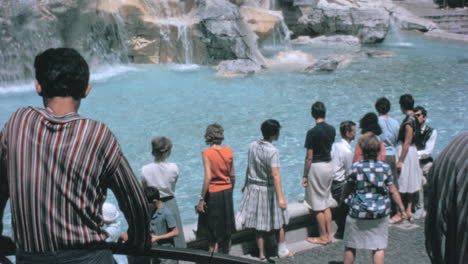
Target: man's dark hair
422 109
370 123
346 126
270 128
62 72
382 105
151 194
318 110
406 102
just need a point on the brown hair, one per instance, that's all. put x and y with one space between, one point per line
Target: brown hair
370 146
161 148
214 134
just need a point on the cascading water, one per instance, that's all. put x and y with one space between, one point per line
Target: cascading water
395 36
28 27
281 37
183 31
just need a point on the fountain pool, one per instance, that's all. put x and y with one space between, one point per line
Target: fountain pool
142 101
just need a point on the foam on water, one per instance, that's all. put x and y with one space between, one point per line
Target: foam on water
400 44
184 67
16 88
103 73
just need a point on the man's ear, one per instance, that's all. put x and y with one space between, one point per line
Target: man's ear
38 87
88 89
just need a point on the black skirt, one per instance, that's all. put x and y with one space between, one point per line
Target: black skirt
217 223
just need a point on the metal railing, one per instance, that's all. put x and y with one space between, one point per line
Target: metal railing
185 254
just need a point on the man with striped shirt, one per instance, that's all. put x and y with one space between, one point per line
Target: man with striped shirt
56 167
447 211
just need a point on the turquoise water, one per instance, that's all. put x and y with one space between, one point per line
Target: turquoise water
140 102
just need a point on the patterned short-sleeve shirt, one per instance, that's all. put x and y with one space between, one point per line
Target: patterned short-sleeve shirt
370 198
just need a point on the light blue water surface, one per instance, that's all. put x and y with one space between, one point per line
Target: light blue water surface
179 102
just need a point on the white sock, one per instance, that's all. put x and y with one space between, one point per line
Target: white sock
282 247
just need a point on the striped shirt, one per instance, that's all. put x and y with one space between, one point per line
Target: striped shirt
56 172
447 214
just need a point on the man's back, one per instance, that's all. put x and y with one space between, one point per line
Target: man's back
389 136
58 170
320 138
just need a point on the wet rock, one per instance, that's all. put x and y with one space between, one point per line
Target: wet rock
369 20
377 53
341 43
225 34
406 20
261 21
329 64
235 68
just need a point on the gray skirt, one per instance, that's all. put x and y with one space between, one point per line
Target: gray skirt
318 195
259 209
366 233
179 241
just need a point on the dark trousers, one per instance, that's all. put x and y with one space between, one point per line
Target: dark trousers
339 213
72 256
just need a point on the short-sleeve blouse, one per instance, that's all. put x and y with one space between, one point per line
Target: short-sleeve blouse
370 198
413 122
263 156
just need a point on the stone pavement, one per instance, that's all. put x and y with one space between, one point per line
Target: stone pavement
405 245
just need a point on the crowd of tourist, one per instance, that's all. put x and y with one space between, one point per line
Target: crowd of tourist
56 167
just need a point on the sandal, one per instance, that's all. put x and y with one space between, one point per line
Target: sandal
316 240
395 220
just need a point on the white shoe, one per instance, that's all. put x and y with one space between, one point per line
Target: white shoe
420 213
285 253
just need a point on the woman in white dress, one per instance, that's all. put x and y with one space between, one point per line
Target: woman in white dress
409 181
263 206
163 176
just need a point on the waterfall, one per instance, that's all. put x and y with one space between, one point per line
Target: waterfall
30 27
183 35
281 37
395 36
170 17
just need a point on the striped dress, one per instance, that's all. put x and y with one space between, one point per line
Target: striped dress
259 208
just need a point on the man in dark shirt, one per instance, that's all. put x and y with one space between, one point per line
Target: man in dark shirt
56 168
318 173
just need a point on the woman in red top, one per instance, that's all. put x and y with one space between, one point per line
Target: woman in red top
370 123
216 218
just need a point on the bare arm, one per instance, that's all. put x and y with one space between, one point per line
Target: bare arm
232 175
174 232
396 197
406 145
308 160
133 204
278 187
206 183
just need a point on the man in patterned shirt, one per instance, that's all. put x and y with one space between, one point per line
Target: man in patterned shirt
56 167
